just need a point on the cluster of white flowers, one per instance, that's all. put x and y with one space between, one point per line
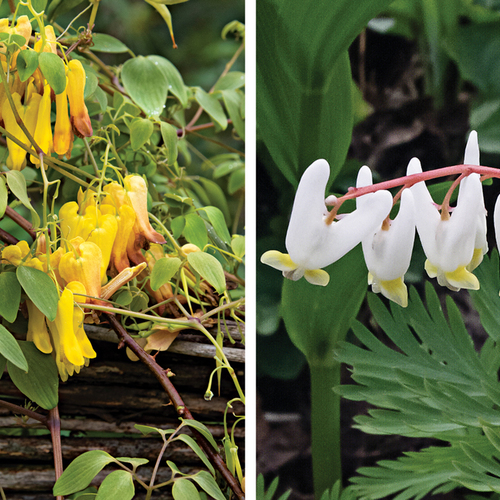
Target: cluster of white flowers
454 240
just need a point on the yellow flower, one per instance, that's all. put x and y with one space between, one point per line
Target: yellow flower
76 85
63 132
43 131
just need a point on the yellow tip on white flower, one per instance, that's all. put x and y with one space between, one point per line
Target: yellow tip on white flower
394 290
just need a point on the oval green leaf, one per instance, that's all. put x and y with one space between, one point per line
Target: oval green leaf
27 62
232 100
209 268
10 296
17 184
238 245
40 289
170 139
146 84
212 107
53 70
184 489
195 230
107 43
81 471
174 79
195 447
216 218
163 271
230 81
4 196
10 350
201 428
141 130
41 382
118 485
236 181
207 482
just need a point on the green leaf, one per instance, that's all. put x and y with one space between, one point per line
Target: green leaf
207 482
230 81
170 139
147 429
209 268
212 107
118 485
10 296
173 77
141 130
194 446
107 43
81 471
91 83
202 429
238 245
216 218
10 350
3 362
314 326
41 382
40 289
195 230
135 462
17 184
146 84
163 271
184 489
232 100
27 63
53 70
236 181
4 196
216 196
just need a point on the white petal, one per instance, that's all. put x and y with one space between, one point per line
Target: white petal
471 156
496 221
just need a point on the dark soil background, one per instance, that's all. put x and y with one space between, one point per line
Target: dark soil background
404 124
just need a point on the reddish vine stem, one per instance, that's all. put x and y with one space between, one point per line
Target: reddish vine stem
7 237
54 425
24 411
20 221
175 398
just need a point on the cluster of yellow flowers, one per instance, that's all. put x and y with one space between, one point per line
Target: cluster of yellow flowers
32 100
99 233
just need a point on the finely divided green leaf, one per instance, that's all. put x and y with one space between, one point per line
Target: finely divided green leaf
81 471
209 268
41 382
40 289
10 296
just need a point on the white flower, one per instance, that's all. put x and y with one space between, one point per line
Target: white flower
311 242
388 250
449 241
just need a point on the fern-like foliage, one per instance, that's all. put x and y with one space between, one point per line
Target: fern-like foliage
433 383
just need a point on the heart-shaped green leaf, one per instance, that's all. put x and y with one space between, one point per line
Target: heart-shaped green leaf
53 70
209 268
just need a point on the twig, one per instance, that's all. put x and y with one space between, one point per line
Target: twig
24 411
7 238
176 400
54 425
20 221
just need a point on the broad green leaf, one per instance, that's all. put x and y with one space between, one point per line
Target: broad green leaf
208 483
175 82
230 81
81 471
195 447
236 181
212 107
98 102
4 196
40 289
12 40
177 225
216 196
183 489
118 485
228 167
141 130
146 84
238 245
91 83
163 271
27 62
216 218
107 43
195 230
3 362
10 296
53 70
41 382
10 350
232 100
17 184
201 428
209 268
170 139
316 317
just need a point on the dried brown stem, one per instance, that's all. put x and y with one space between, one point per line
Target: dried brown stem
176 400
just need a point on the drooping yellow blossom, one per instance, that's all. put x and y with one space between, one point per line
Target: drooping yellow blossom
80 119
20 254
37 329
63 132
43 131
50 41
